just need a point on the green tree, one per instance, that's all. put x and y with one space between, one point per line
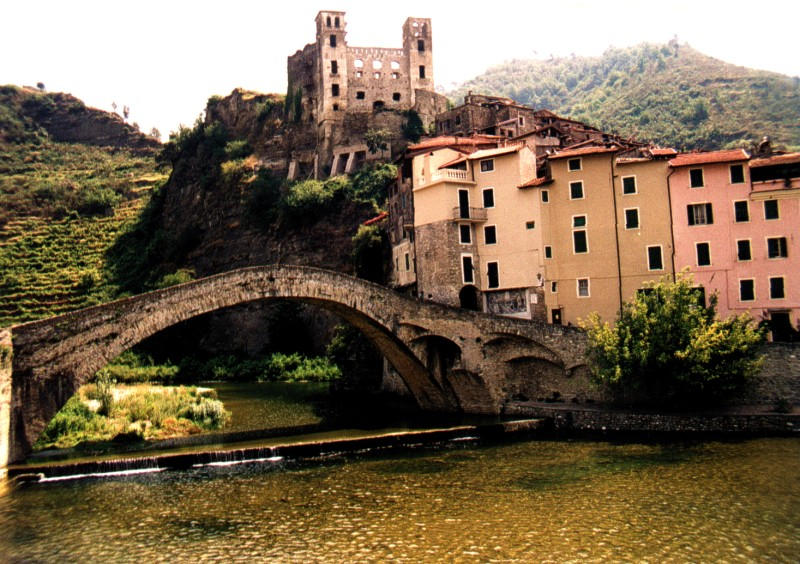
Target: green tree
666 348
377 140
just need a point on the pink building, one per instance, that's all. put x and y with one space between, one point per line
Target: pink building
736 235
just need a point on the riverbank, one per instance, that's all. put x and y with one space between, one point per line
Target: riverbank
592 419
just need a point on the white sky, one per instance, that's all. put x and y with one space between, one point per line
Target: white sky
165 58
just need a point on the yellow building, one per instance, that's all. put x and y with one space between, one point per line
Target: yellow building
604 229
476 235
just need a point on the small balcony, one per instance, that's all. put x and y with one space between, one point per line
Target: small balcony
473 215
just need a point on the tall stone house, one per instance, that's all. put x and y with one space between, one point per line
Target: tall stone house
343 91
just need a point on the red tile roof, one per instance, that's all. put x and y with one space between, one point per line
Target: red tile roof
541 181
663 152
377 218
687 159
788 158
445 141
458 159
584 151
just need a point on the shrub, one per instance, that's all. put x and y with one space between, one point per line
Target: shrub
180 276
413 128
309 199
370 251
668 349
370 182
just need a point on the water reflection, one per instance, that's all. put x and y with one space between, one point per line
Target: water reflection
534 501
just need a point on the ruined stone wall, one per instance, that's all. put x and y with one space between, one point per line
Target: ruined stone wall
377 76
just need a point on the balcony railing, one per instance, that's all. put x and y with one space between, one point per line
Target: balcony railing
445 175
469 214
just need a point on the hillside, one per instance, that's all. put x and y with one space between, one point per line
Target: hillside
669 94
64 203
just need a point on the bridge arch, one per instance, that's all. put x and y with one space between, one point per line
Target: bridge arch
54 357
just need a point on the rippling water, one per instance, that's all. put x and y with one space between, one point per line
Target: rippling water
545 501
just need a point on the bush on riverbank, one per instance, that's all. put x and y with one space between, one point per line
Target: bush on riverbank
668 349
147 412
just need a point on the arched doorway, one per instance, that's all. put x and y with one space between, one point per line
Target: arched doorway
469 298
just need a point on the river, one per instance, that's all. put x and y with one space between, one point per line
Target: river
542 501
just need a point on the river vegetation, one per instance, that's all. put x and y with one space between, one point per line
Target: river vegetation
668 349
669 94
103 411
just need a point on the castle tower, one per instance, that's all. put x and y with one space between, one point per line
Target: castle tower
331 66
418 45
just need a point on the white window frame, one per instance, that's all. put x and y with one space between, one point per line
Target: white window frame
485 227
586 252
585 221
635 185
638 219
488 286
705 214
472 274
580 165
753 280
786 247
583 192
546 247
483 197
702 172
777 207
578 288
749 246
747 203
460 239
490 162
660 252
697 257
770 279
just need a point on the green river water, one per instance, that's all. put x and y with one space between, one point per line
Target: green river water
531 501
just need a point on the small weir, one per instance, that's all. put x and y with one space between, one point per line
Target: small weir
265 454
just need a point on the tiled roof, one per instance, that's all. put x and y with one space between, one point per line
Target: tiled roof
445 141
663 152
486 153
597 149
687 159
458 159
377 218
788 158
541 181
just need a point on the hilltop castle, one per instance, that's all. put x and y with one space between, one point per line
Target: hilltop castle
345 91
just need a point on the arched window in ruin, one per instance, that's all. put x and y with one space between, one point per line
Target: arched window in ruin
377 65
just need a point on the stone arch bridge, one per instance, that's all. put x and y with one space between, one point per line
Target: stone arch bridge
450 359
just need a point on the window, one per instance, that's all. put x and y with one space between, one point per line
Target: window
545 196
488 198
703 254
336 107
376 75
333 40
743 250
493 275
696 178
548 251
530 225
776 288
776 247
464 234
334 89
490 235
747 290
336 22
573 164
420 45
521 120
579 221
771 209
408 263
458 120
576 190
395 75
487 165
422 71
554 286
583 287
334 67
377 65
466 269
396 96
328 21
737 174
741 211
700 214
395 65
654 259
360 95
358 63
359 74
628 184
579 242
632 218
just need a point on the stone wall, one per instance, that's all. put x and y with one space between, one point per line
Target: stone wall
5 396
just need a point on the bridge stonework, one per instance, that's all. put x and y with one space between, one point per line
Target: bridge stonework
449 359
